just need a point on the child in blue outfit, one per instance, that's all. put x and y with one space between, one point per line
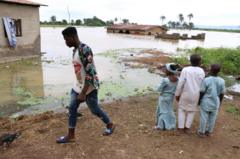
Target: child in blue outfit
166 119
211 95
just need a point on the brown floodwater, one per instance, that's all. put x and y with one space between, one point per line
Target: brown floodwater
43 84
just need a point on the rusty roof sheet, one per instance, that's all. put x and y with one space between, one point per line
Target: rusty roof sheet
23 2
134 27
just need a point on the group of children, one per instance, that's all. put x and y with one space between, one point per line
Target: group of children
190 90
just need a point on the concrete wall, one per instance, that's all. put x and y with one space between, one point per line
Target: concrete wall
28 44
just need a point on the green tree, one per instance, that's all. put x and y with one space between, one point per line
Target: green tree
178 24
191 25
72 22
53 19
78 22
64 22
185 25
172 24
115 20
181 18
94 22
109 22
190 16
125 21
162 18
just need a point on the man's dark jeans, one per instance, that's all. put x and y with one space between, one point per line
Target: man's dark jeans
92 103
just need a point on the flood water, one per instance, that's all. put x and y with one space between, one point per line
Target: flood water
44 83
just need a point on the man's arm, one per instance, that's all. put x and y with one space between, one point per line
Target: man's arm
203 89
221 98
223 90
90 71
200 98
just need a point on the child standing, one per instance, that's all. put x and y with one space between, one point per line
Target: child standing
187 93
211 95
166 119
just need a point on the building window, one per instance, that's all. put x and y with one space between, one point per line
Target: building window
18 25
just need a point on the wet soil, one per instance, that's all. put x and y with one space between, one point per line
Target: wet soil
134 136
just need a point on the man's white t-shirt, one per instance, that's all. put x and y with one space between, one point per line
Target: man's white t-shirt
80 74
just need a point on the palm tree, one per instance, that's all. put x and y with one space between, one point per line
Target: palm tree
190 16
191 25
53 19
181 18
162 18
115 20
170 24
125 21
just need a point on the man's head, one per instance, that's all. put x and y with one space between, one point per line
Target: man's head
215 69
195 60
70 36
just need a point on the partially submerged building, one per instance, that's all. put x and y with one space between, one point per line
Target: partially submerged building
19 29
136 29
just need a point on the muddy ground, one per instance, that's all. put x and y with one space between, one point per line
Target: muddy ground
134 137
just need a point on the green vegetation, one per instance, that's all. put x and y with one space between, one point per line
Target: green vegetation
115 90
95 21
26 97
233 110
228 57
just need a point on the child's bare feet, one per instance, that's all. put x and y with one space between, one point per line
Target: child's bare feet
181 130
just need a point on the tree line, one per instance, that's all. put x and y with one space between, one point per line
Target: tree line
181 23
95 21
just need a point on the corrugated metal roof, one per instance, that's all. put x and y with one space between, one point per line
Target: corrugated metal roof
23 2
135 27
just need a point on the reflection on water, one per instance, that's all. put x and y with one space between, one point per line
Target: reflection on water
52 76
16 76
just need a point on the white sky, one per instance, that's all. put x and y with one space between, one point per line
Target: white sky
205 12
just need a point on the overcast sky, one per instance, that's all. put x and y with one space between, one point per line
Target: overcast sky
205 12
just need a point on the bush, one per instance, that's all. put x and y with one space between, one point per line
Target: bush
229 58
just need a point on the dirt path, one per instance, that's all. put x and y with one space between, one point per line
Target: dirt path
134 137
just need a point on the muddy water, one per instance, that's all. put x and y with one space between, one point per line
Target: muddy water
44 83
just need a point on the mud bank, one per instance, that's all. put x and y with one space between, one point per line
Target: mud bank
134 136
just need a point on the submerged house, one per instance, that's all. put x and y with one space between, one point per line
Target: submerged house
136 29
19 29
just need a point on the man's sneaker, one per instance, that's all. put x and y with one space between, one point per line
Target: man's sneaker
109 130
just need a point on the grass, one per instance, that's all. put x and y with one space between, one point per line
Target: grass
233 110
228 58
